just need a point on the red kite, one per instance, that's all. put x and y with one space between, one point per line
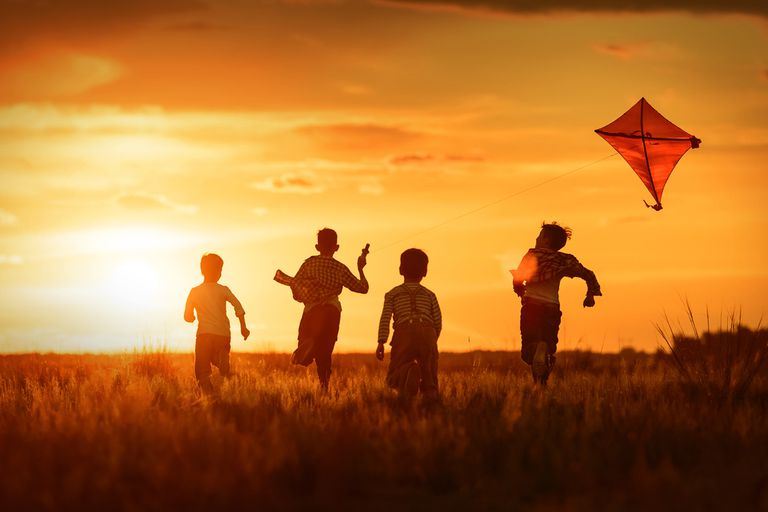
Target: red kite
650 144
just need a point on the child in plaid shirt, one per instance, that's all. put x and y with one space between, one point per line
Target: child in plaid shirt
318 284
537 282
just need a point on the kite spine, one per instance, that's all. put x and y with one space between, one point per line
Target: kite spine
645 152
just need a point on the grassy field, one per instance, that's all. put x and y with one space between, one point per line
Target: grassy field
611 432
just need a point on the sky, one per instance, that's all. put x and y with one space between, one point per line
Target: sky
136 136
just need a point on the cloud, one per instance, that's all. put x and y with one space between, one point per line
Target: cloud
630 51
357 136
11 259
144 201
7 218
259 211
58 75
428 158
71 21
526 7
290 184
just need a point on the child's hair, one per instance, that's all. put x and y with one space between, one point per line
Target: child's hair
327 238
413 263
557 234
211 264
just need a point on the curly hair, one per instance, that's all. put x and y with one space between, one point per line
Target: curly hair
557 234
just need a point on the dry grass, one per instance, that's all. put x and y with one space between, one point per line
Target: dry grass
612 432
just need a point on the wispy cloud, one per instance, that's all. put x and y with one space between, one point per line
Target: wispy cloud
58 75
290 184
145 201
353 136
412 159
11 259
630 51
7 218
523 7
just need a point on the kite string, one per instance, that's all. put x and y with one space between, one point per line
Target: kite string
495 202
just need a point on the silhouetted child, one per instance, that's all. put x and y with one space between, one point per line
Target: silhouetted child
209 300
537 281
318 284
417 322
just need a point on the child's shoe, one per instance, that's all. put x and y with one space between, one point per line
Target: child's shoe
412 380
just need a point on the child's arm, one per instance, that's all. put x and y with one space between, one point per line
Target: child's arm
437 315
386 316
189 309
243 329
523 273
576 269
239 313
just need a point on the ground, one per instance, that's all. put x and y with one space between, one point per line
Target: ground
610 432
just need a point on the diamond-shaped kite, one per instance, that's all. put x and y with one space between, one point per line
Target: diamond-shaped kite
650 144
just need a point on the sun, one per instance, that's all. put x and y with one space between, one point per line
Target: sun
133 282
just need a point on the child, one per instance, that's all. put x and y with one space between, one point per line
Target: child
537 281
318 284
417 325
210 299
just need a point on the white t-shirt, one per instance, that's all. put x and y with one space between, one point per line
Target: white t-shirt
210 302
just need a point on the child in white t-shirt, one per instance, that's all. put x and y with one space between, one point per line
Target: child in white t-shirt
209 300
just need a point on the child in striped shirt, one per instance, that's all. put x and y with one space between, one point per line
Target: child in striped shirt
417 322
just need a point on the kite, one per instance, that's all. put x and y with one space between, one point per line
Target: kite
650 144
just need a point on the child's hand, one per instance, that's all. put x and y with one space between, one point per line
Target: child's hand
380 352
589 301
245 332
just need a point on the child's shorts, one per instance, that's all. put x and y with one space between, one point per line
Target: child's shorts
539 321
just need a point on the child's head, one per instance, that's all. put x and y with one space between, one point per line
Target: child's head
210 266
553 236
413 264
327 241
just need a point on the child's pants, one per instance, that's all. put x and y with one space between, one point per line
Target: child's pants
539 321
411 342
318 331
211 349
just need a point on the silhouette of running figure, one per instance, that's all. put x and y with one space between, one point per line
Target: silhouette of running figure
537 282
212 343
318 284
415 314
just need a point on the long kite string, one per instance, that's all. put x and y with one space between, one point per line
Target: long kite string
495 202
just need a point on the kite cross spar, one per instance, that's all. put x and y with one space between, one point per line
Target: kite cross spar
651 145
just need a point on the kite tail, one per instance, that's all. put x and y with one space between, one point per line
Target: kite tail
656 206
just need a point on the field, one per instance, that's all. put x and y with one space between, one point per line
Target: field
626 431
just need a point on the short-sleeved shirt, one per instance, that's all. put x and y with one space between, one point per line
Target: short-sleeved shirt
321 279
209 300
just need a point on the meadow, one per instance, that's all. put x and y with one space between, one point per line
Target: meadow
628 431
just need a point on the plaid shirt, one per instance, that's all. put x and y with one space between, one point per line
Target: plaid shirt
321 279
539 265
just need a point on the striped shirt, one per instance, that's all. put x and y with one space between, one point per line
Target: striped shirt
539 273
398 304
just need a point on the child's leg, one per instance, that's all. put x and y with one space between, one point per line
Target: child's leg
203 356
529 332
401 358
325 341
221 359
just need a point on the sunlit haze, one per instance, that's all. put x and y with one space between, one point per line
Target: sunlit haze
136 139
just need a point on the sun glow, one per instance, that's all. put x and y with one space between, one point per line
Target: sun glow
133 283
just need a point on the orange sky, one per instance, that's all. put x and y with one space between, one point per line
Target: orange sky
135 138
